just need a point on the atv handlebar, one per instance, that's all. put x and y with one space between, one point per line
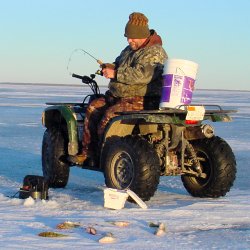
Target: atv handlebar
90 81
85 79
76 76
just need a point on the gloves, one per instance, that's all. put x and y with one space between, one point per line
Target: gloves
108 65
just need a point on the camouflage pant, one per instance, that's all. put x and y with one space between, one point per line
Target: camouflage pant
100 111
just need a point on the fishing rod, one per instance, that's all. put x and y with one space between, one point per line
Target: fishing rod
85 52
98 61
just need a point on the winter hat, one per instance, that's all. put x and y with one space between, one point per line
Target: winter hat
137 26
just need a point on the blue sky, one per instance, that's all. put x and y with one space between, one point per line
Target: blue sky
37 37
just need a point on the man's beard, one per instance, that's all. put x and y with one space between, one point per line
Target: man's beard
133 46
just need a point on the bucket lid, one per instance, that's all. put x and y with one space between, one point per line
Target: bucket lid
137 199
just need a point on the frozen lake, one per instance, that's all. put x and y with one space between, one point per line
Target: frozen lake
192 223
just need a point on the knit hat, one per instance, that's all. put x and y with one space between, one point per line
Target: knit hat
137 26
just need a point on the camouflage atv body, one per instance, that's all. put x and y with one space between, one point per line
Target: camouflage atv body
140 146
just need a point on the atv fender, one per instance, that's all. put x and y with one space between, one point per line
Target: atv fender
56 116
124 125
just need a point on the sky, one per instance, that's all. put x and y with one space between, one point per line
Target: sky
38 37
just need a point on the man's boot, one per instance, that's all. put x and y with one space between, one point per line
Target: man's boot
78 159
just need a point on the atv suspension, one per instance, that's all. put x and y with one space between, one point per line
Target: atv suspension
192 161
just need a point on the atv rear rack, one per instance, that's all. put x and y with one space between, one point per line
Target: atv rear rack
214 113
209 109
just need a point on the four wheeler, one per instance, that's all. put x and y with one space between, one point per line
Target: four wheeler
138 147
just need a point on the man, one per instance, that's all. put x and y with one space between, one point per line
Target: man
135 82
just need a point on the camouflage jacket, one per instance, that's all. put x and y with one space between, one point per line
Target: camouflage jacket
139 73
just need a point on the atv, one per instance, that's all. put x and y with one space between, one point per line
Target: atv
138 147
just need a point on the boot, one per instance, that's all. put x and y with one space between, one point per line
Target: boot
78 159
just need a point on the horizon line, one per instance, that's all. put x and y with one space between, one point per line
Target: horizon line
79 85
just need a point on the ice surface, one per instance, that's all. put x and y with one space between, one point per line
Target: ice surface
191 223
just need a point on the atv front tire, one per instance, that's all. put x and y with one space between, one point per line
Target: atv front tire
218 163
54 147
131 162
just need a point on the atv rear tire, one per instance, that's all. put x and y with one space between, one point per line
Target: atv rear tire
131 162
54 146
218 162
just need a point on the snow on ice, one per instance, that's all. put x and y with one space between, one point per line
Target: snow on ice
191 223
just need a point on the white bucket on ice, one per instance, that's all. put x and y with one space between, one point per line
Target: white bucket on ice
178 82
114 198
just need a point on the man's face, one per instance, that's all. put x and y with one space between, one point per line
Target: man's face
135 43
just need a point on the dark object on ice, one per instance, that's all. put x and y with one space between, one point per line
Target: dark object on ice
138 147
34 186
51 234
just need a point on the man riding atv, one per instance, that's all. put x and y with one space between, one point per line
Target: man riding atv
136 81
126 136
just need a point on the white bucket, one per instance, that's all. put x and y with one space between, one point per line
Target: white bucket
178 83
114 198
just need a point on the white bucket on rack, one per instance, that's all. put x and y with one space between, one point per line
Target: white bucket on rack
178 83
